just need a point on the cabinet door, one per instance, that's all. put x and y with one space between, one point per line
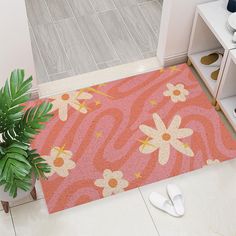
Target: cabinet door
15 44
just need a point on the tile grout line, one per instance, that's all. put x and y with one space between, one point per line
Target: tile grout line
97 15
40 54
118 10
136 4
77 22
53 23
151 28
25 203
144 3
13 224
149 212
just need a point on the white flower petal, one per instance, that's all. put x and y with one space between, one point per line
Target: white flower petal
150 147
107 174
179 87
63 112
118 190
170 86
167 93
164 153
54 153
84 96
175 123
179 146
174 99
69 164
107 191
185 92
83 110
149 131
182 133
159 123
63 172
117 175
182 97
123 183
100 183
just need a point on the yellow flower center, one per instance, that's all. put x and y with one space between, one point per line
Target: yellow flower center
112 183
65 96
58 162
176 92
166 137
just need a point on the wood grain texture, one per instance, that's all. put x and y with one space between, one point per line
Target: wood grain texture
99 44
59 9
40 69
109 64
81 7
51 49
120 37
152 12
38 12
76 48
62 75
139 28
103 5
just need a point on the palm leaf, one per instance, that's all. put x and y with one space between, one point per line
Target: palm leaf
18 127
13 94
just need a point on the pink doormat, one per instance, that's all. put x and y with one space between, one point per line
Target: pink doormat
125 134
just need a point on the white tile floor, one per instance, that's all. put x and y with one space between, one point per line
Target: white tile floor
210 196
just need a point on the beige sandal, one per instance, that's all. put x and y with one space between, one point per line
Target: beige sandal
215 74
213 59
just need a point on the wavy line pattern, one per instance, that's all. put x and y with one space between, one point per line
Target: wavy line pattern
118 118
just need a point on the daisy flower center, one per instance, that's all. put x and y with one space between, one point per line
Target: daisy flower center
58 162
166 137
176 92
65 96
113 183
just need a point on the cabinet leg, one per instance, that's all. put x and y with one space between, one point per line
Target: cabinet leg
33 193
218 107
5 206
189 63
214 102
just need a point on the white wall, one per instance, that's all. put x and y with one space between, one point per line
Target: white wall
15 44
176 26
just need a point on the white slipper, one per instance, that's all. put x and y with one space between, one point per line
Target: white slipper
176 198
162 203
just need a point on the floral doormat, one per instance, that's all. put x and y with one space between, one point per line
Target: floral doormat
113 137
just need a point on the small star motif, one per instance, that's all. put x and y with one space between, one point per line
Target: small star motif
60 150
97 103
138 175
82 105
186 145
102 85
153 102
174 68
146 143
99 134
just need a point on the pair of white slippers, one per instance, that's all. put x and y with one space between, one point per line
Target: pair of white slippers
174 206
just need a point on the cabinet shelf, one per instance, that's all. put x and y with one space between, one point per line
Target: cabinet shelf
205 71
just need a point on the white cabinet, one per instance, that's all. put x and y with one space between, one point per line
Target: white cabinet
210 34
15 44
226 97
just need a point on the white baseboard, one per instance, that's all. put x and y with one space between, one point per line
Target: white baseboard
34 94
174 60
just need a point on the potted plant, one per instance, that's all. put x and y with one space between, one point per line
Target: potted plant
20 165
